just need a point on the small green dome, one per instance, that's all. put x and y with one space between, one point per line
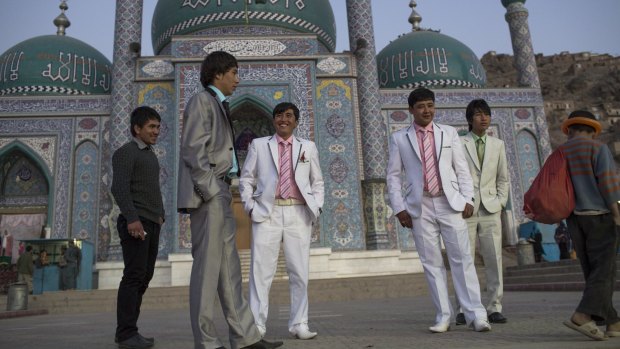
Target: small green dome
54 65
506 3
430 59
181 17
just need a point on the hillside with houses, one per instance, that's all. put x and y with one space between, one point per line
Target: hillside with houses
569 81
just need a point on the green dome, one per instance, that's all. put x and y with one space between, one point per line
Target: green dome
430 59
54 65
181 17
507 3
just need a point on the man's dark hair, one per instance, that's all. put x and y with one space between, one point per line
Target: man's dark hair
141 115
477 105
284 106
28 248
420 94
218 62
582 127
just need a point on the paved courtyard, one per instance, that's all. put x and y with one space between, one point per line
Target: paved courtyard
534 321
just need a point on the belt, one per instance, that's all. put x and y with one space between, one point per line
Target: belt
429 195
288 202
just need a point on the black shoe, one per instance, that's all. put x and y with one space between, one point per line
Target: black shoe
497 318
135 342
460 319
263 344
146 339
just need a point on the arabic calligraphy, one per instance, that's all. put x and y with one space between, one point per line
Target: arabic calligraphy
476 70
78 69
195 3
247 47
331 65
407 64
10 66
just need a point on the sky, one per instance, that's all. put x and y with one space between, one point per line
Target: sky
555 25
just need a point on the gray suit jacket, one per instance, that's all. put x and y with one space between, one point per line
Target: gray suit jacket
491 181
206 150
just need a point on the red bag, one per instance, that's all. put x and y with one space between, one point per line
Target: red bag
551 197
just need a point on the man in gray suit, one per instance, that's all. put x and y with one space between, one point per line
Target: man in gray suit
486 157
207 164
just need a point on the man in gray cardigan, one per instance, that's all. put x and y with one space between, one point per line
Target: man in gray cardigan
136 189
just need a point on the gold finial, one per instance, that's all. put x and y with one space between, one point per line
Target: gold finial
62 22
415 17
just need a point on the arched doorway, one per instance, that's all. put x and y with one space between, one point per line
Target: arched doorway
250 120
24 199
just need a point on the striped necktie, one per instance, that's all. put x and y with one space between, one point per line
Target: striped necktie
285 170
430 174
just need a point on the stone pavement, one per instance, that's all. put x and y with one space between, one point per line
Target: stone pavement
534 321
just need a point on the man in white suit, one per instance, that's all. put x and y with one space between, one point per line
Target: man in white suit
438 196
281 187
486 157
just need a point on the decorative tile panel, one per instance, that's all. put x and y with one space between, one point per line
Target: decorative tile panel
58 132
336 138
45 147
85 196
38 106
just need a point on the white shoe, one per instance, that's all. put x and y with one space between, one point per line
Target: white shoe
481 325
262 330
440 327
302 331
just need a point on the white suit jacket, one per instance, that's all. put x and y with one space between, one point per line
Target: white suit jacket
260 176
404 154
491 182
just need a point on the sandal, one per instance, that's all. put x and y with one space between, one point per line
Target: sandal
588 329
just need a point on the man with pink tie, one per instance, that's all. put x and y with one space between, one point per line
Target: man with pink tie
438 197
281 187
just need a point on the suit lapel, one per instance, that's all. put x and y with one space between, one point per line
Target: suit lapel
438 135
219 103
470 145
413 141
296 152
273 149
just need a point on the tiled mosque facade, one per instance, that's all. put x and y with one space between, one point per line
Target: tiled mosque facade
69 139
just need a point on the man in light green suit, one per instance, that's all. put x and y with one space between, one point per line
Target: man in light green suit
486 157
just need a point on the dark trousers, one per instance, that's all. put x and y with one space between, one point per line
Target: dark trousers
595 239
139 257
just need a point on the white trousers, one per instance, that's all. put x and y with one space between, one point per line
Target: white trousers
438 221
291 225
487 227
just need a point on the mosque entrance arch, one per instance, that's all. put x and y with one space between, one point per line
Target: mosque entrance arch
251 119
25 198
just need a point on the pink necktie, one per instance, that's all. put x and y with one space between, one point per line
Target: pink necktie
432 185
285 170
